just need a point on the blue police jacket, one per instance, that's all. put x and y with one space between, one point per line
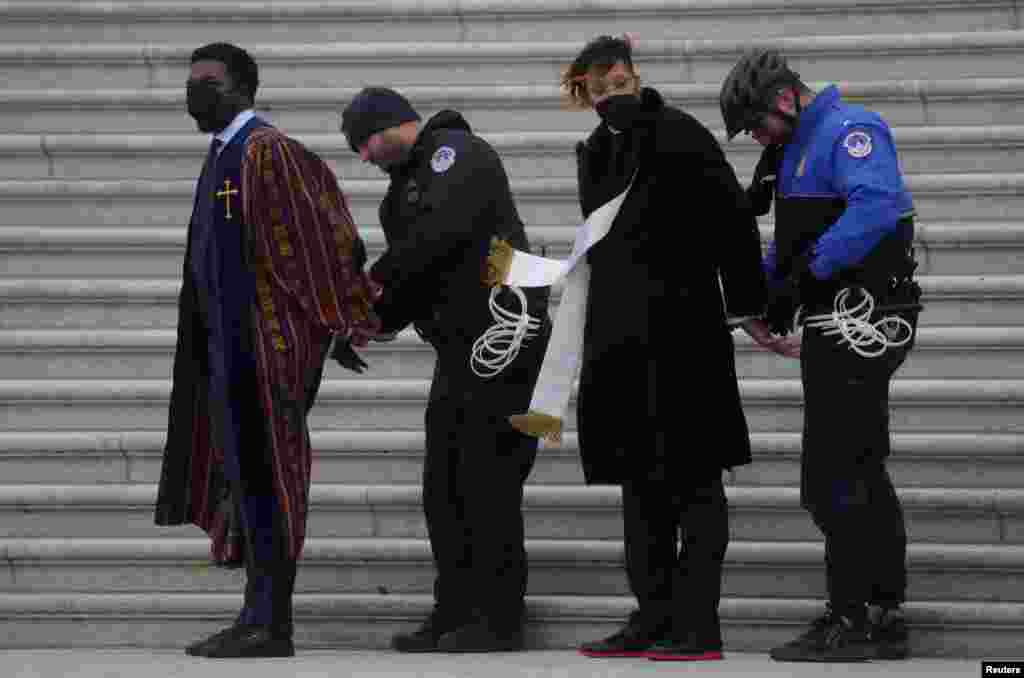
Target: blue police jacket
842 152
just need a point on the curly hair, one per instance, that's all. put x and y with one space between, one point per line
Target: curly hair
601 53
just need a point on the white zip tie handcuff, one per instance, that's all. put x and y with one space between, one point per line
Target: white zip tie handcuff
499 345
865 338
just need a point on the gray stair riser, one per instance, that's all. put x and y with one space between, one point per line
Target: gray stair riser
543 163
160 261
970 469
966 309
84 263
393 521
796 580
971 260
519 64
410 361
157 314
520 110
559 209
762 415
775 470
441 22
525 155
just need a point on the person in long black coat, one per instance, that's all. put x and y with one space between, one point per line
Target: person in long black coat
679 269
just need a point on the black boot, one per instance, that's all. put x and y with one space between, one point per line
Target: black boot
426 637
888 630
482 636
632 640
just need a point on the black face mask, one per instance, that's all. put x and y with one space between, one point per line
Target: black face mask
620 111
212 109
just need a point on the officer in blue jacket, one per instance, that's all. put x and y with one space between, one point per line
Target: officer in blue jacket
841 265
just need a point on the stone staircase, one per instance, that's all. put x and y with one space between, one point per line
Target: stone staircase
97 167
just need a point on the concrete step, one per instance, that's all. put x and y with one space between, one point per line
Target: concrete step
923 149
941 352
172 620
937 572
310 21
916 405
921 460
550 202
934 515
92 662
942 248
52 303
32 65
489 108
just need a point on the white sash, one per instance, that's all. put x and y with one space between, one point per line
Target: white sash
507 266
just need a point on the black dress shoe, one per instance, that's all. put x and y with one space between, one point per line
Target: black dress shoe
480 636
198 648
632 640
426 637
251 641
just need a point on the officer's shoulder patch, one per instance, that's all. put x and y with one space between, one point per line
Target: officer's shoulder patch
443 159
858 144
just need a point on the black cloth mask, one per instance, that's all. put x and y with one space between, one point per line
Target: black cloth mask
211 108
620 111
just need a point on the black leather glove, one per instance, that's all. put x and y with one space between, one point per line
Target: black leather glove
347 357
762 188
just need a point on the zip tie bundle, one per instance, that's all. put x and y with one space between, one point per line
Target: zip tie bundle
499 345
866 339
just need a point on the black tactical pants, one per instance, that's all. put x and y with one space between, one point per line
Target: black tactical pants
844 483
473 476
676 534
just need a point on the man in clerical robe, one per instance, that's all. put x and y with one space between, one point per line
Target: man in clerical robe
272 276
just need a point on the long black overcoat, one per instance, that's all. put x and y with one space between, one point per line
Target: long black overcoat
658 394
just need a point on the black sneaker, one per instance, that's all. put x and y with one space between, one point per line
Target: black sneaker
684 651
888 629
632 640
426 637
831 638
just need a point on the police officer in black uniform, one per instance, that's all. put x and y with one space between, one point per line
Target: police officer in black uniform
449 196
843 232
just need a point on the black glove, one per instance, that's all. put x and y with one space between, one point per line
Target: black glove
347 357
762 188
781 308
785 298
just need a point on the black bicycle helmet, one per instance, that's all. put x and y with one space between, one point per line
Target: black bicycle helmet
745 92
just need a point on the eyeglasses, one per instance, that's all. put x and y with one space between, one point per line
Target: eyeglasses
599 87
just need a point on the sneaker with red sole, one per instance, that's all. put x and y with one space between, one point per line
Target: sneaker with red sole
684 651
632 640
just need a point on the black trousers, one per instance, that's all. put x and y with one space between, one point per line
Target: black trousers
473 476
676 534
844 483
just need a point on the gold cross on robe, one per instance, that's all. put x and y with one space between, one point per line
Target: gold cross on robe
226 194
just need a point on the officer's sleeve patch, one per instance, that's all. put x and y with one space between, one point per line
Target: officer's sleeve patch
443 159
858 144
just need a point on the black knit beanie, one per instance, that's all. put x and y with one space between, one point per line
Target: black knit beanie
372 110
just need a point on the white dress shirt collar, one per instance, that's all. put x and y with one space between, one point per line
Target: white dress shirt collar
240 121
